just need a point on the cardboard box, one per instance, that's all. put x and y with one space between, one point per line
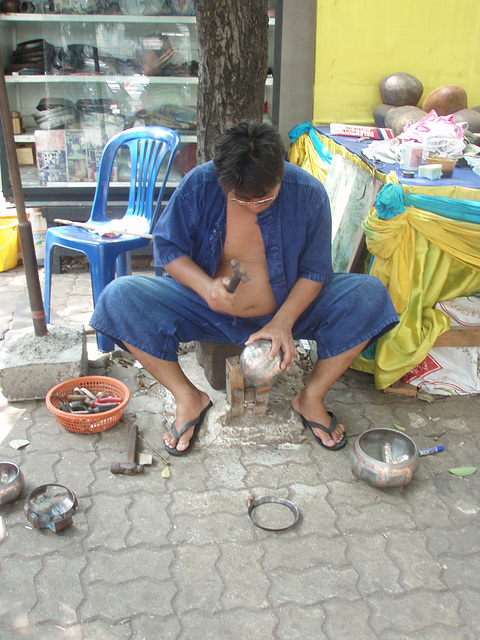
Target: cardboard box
26 154
17 122
359 131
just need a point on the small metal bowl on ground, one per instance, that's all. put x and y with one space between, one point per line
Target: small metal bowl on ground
11 482
384 458
50 506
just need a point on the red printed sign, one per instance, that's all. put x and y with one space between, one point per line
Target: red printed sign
429 365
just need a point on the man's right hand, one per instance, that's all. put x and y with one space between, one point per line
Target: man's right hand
218 298
212 290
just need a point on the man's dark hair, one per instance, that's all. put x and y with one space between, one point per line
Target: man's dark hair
249 159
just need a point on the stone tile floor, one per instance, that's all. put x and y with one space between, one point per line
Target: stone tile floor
156 558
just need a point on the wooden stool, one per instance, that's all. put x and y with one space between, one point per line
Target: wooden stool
212 358
221 366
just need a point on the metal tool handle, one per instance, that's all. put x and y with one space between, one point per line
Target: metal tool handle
239 275
132 443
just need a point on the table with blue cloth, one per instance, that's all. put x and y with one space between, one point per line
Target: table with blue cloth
462 177
424 240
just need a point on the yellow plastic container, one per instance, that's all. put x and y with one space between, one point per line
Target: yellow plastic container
8 242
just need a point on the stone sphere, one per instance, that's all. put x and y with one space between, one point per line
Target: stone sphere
446 100
256 368
405 118
471 117
380 112
400 89
393 113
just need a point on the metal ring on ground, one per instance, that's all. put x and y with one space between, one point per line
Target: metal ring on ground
286 503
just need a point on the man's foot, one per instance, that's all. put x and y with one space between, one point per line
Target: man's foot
193 412
316 412
315 426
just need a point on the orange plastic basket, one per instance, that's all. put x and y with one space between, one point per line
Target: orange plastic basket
88 423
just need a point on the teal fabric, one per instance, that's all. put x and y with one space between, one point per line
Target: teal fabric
460 210
307 127
391 200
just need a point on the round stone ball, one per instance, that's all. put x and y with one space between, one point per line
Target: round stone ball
471 117
402 120
446 100
400 89
397 111
379 114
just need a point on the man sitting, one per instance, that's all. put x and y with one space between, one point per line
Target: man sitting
273 217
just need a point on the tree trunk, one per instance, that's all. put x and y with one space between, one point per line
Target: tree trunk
233 58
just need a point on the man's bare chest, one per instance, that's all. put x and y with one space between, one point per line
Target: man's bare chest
243 237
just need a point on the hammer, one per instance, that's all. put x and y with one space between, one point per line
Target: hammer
239 275
129 467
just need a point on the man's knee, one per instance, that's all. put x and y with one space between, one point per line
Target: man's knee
124 289
361 289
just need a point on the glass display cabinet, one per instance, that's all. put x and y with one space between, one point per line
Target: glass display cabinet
79 71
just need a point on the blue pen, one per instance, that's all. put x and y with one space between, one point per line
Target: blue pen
430 450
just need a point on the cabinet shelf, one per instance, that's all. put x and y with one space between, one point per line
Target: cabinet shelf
68 17
28 137
47 79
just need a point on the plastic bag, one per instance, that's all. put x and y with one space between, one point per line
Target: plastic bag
474 162
439 135
451 370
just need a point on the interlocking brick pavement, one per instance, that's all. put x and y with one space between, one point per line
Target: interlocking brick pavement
155 558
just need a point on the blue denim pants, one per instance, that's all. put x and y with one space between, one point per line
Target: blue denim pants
155 314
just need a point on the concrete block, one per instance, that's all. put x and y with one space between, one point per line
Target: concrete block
31 365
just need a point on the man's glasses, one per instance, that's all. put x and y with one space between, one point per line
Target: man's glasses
254 203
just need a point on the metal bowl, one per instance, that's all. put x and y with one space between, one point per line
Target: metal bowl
11 482
255 366
50 506
384 458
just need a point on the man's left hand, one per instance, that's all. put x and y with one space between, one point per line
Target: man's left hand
280 335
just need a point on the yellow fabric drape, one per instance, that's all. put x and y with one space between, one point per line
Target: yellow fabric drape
302 153
421 258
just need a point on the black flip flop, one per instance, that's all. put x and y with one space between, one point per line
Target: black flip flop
197 423
329 430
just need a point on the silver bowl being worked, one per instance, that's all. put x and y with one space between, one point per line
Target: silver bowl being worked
384 458
255 366
11 482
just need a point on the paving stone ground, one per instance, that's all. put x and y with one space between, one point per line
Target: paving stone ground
179 558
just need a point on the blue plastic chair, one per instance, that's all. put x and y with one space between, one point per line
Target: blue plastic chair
149 148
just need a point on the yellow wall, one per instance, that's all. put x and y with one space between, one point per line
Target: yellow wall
361 41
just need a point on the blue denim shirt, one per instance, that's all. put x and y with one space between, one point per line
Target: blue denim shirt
296 228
